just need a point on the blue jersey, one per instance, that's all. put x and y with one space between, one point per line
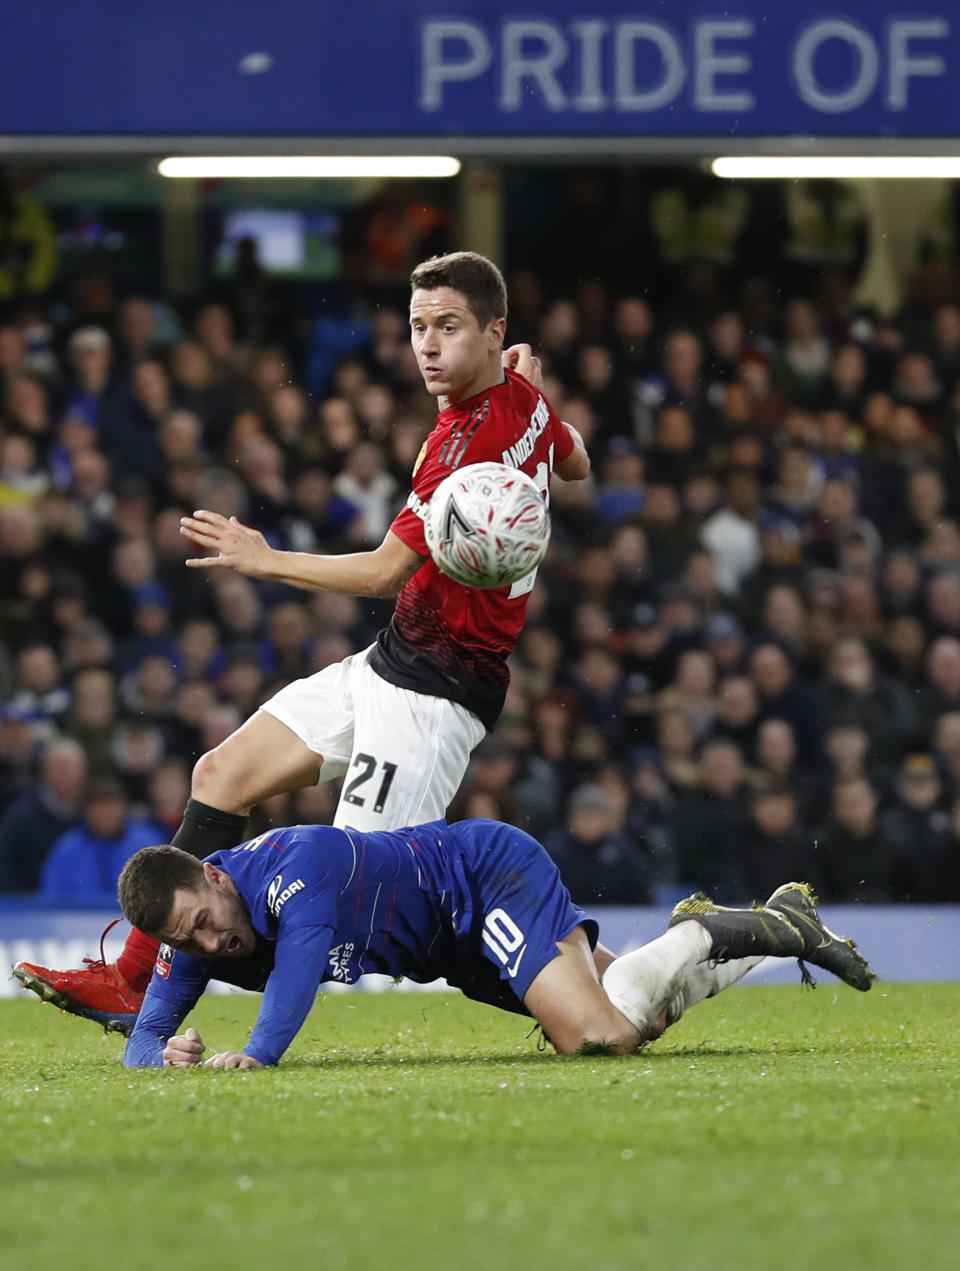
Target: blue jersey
479 904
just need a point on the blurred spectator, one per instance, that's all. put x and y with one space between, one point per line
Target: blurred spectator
32 822
850 757
85 862
19 744
943 676
168 790
854 858
805 356
726 643
710 822
782 695
39 694
920 821
137 749
321 518
854 690
732 533
365 483
621 492
87 643
252 294
691 690
130 425
649 822
738 712
676 744
137 329
776 844
28 243
776 755
598 864
532 784
93 713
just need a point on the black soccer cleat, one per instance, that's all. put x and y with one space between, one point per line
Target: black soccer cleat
821 946
740 933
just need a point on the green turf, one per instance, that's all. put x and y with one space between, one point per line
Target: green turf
771 1128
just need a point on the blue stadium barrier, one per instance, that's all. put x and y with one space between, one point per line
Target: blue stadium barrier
907 943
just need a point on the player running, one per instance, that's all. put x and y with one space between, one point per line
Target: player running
478 903
399 719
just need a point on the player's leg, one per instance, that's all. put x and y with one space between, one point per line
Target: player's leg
602 957
299 737
410 752
262 758
529 933
540 943
670 974
705 949
568 1001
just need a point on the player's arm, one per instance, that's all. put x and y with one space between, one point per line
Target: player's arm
576 465
291 989
166 1005
381 572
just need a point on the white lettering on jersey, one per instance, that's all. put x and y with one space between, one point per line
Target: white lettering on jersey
517 454
417 506
278 895
340 956
253 844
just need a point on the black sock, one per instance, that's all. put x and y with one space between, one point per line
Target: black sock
204 829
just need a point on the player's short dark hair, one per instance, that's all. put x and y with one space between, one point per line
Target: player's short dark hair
470 273
148 880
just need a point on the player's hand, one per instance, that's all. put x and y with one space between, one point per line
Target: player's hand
519 358
184 1051
232 1059
235 546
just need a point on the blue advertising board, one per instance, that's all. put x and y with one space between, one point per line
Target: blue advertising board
903 943
479 68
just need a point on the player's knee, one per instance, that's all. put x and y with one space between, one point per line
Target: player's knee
597 1041
607 1029
210 777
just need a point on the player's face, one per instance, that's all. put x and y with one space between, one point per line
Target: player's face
456 357
211 922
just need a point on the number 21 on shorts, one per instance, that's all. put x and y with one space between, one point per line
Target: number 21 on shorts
507 942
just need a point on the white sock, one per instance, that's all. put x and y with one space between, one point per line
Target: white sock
670 973
705 980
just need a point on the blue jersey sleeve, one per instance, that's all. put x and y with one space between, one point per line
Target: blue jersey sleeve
167 1003
290 991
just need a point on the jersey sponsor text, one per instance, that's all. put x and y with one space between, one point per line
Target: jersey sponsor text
278 895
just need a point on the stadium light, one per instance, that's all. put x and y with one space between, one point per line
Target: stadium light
803 167
308 165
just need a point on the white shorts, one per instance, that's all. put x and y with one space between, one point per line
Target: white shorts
403 753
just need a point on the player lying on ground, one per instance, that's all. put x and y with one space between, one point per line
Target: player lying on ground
400 718
479 904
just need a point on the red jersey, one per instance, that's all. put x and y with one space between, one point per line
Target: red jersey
444 638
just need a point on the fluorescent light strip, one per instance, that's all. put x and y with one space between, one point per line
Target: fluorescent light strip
348 165
785 167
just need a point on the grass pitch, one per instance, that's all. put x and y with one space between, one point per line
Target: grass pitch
771 1128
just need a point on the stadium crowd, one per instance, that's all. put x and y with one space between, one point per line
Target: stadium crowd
742 656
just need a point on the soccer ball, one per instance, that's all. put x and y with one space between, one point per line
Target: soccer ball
487 525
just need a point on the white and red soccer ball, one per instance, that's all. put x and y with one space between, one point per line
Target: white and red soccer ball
487 525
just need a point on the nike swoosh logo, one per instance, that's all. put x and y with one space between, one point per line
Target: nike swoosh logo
512 970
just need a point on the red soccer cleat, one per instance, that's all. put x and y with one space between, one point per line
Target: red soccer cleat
95 991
